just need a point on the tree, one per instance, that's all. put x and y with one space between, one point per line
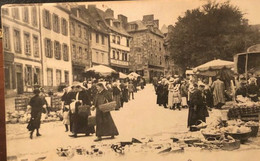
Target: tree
214 31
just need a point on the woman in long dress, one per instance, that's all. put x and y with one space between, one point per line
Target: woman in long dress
105 124
170 94
36 103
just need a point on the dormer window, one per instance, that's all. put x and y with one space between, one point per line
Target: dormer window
109 22
133 26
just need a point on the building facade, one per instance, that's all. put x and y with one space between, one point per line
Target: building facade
21 44
80 43
147 50
55 40
118 40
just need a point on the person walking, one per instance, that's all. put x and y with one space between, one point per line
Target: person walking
218 93
105 123
170 93
80 110
131 89
176 97
116 95
37 104
65 108
184 93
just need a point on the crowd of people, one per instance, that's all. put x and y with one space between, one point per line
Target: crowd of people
80 99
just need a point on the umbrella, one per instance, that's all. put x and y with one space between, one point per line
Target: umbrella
213 67
101 70
122 75
133 74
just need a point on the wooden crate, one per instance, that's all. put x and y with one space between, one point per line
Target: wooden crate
250 117
21 103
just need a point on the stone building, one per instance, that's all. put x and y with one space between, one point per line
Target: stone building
99 38
119 39
55 40
21 45
80 44
147 50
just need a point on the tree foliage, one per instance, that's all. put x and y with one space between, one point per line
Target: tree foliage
214 31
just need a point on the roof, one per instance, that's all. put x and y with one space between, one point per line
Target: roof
119 30
142 27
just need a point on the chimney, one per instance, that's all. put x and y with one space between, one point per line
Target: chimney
156 23
123 20
148 18
109 13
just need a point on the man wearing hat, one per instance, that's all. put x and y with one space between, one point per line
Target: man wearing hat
242 90
252 89
218 92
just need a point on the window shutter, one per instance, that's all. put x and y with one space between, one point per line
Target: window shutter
44 18
52 49
50 19
25 76
45 47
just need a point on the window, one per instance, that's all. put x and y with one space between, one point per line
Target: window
127 42
34 17
117 55
114 54
36 76
80 53
28 75
57 50
58 77
118 39
15 13
73 28
27 44
49 77
66 76
6 38
133 26
126 57
97 57
65 52
86 53
25 14
64 27
48 48
35 46
97 38
74 53
17 41
114 39
56 23
102 57
90 36
80 32
103 40
85 33
46 19
5 11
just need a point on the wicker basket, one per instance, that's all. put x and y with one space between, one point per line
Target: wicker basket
243 137
107 107
254 130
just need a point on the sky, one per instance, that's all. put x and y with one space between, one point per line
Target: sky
167 11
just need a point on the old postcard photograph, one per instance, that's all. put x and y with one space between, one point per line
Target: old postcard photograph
132 80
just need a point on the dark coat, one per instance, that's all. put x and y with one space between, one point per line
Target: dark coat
104 120
252 89
162 94
80 120
36 102
198 113
242 90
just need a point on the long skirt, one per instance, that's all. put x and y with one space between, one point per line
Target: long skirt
66 118
35 120
80 123
105 124
117 98
170 99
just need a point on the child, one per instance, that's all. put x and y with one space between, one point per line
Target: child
176 97
66 119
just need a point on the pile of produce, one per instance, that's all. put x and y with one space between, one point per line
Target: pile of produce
23 117
237 130
243 109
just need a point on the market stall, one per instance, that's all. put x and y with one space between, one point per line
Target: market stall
100 71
